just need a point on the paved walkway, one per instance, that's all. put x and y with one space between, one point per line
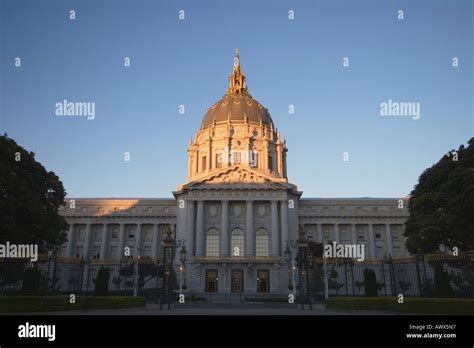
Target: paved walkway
220 309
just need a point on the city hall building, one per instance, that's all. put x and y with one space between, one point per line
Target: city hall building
237 212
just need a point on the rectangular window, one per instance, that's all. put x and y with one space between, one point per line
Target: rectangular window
237 280
211 280
115 232
97 233
218 160
379 252
96 252
263 280
203 163
82 233
147 251
113 252
148 235
79 252
270 163
237 157
253 160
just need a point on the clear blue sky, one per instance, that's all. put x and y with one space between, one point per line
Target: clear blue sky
187 62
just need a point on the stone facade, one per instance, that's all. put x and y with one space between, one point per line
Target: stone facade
236 213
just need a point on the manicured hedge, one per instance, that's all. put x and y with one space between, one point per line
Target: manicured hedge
410 305
17 304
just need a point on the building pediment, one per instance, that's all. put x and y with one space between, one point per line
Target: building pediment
236 176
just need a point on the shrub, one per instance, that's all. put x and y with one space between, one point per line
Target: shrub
370 283
102 282
31 281
442 286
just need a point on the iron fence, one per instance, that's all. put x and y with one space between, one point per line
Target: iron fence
434 275
438 275
78 276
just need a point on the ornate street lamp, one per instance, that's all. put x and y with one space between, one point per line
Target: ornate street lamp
303 268
166 290
182 257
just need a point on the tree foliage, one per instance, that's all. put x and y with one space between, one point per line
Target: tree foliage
442 204
29 199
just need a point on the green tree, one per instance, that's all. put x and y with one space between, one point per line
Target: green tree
442 204
29 199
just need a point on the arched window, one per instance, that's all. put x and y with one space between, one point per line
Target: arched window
212 242
261 243
237 243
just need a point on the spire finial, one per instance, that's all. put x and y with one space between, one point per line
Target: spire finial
237 83
236 60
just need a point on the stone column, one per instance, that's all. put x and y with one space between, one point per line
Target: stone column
249 232
121 244
224 250
284 224
265 156
354 234
226 154
388 236
105 242
156 241
138 240
404 251
321 236
189 163
274 224
87 242
336 233
189 233
209 156
278 159
200 229
70 241
372 241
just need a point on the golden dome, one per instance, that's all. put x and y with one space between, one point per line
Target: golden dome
237 105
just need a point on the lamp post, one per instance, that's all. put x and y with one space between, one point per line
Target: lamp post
182 269
303 268
291 269
166 291
287 257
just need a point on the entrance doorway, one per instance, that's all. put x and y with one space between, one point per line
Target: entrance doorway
263 280
211 280
237 280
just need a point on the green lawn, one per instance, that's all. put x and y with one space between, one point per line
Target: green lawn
410 305
18 304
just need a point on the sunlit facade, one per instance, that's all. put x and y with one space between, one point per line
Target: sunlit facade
237 212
